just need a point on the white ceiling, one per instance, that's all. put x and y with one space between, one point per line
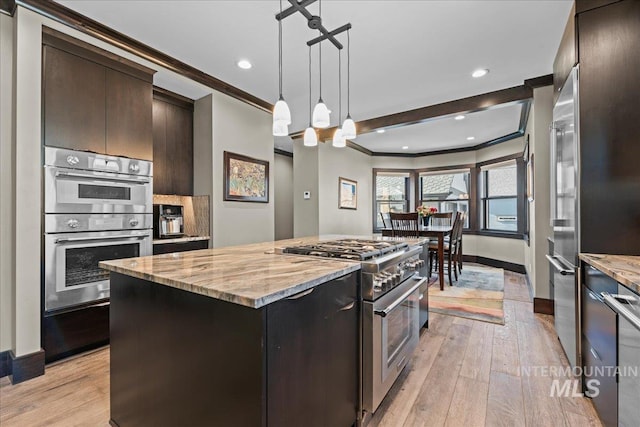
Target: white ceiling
404 54
445 132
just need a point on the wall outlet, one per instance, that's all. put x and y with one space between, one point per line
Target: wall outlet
306 195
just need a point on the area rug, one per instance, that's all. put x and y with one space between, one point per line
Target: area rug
478 294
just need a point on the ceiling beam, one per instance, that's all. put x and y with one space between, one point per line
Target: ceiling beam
86 25
539 81
420 115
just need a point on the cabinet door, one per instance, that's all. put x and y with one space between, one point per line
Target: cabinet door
74 109
179 134
161 167
312 356
129 116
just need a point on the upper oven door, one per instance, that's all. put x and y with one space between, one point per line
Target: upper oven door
72 275
80 191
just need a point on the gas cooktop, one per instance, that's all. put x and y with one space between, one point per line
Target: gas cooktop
353 249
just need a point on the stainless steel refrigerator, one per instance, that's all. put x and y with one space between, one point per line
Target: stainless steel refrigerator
564 216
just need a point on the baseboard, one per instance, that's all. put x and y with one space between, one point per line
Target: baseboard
543 306
25 367
516 268
5 363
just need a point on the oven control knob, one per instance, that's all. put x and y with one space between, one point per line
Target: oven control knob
73 223
396 278
133 222
73 160
133 167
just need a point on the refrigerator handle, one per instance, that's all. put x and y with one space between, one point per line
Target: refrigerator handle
552 181
559 268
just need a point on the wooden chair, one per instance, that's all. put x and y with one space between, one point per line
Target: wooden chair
404 224
463 217
451 248
442 218
385 224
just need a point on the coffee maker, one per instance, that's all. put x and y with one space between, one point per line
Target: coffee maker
168 221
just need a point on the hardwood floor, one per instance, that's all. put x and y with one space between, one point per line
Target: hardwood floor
464 373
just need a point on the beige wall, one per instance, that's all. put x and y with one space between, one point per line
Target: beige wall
306 212
7 200
351 164
283 196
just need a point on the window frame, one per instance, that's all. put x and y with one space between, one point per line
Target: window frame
445 171
407 200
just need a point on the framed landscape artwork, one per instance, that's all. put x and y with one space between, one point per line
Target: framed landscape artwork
347 193
245 179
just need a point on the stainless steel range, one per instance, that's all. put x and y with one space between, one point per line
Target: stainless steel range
391 291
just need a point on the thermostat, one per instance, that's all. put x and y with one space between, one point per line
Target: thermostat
306 195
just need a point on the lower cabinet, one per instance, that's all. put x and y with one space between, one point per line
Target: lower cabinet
312 356
167 248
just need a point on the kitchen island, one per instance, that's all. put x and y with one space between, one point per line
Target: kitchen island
239 336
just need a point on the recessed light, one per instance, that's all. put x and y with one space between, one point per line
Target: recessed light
406 147
380 131
480 72
471 138
244 64
459 117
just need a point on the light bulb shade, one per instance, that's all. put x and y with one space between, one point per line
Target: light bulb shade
349 128
281 112
310 137
338 139
280 128
321 118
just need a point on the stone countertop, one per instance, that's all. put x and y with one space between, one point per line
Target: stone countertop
252 275
180 239
624 269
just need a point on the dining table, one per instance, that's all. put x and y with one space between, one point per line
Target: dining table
438 232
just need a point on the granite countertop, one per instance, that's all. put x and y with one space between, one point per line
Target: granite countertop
183 239
251 275
624 269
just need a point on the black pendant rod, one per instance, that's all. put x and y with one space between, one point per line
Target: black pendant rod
314 22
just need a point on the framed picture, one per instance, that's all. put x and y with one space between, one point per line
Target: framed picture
347 193
245 179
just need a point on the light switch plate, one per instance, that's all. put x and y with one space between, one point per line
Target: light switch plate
306 195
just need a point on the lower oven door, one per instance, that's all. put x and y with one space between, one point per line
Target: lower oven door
391 335
72 276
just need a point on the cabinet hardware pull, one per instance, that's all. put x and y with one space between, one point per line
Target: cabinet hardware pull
86 239
595 354
348 306
302 294
621 310
559 268
594 297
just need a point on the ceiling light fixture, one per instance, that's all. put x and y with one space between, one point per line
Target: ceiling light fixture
310 135
380 131
244 64
349 127
338 137
281 112
320 117
459 117
471 138
480 72
406 147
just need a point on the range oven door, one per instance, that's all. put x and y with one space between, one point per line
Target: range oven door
390 337
72 276
80 191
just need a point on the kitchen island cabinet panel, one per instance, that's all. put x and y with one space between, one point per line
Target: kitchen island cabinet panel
73 98
312 356
129 116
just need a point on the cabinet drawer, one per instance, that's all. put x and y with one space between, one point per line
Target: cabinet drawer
167 248
599 326
598 369
599 282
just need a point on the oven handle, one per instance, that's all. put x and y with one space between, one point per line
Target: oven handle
400 300
102 178
86 239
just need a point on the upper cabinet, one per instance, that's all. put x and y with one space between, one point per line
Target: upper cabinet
94 100
172 143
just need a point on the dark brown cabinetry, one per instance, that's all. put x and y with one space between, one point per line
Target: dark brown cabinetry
294 362
94 100
172 144
167 248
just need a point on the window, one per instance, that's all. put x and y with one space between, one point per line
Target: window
500 197
392 194
447 191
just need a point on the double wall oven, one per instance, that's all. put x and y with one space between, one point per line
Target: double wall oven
96 208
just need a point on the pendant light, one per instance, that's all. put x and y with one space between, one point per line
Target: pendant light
281 112
310 136
349 127
338 137
321 118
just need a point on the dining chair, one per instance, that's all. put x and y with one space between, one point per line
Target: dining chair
441 218
450 248
385 224
404 224
463 217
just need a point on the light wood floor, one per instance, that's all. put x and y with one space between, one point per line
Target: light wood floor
465 373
